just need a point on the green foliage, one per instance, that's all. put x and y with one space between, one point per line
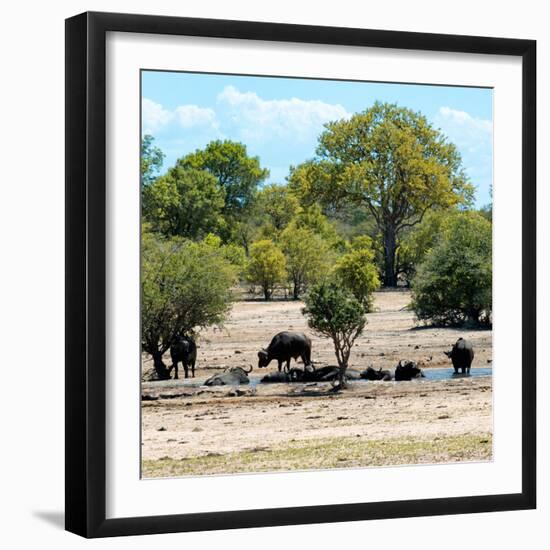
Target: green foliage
419 241
237 174
311 217
454 284
151 160
277 205
390 160
487 211
334 312
184 286
266 266
233 253
308 258
184 202
356 270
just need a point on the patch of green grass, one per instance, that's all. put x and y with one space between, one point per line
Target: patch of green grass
318 454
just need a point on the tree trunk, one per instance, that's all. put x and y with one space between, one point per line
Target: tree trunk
160 367
390 248
267 293
341 376
296 290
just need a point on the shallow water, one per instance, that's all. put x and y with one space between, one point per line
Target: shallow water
445 374
430 374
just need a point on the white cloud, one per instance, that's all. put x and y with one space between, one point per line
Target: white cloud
470 134
156 118
474 139
191 115
260 119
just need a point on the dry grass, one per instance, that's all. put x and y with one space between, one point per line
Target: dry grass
319 454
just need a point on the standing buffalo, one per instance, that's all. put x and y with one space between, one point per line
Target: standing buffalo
284 347
407 370
232 377
371 374
183 350
462 356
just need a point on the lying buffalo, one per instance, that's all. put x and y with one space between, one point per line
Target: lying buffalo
184 351
371 374
309 374
232 377
284 347
462 356
407 370
277 378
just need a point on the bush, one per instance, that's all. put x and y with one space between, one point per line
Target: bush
356 270
266 266
334 312
453 285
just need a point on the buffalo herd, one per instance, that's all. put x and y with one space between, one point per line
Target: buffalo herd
286 346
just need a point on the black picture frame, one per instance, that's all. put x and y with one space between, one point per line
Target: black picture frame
86 274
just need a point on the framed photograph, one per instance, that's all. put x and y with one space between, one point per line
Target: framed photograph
300 274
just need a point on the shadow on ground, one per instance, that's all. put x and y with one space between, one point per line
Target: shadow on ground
57 519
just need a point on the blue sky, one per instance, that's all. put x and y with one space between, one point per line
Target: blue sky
279 119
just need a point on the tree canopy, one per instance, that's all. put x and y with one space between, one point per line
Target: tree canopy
277 206
185 202
390 160
237 173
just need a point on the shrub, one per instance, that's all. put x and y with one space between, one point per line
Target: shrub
184 286
334 312
454 284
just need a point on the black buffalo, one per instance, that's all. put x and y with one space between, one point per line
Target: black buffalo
462 356
232 377
278 377
184 351
310 374
371 374
284 347
407 370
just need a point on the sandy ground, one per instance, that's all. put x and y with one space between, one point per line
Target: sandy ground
192 429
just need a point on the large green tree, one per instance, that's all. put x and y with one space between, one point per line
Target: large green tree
185 202
185 286
389 160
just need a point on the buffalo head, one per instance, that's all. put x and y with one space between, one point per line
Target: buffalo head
263 359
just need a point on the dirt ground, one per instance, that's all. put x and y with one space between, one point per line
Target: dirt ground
188 429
